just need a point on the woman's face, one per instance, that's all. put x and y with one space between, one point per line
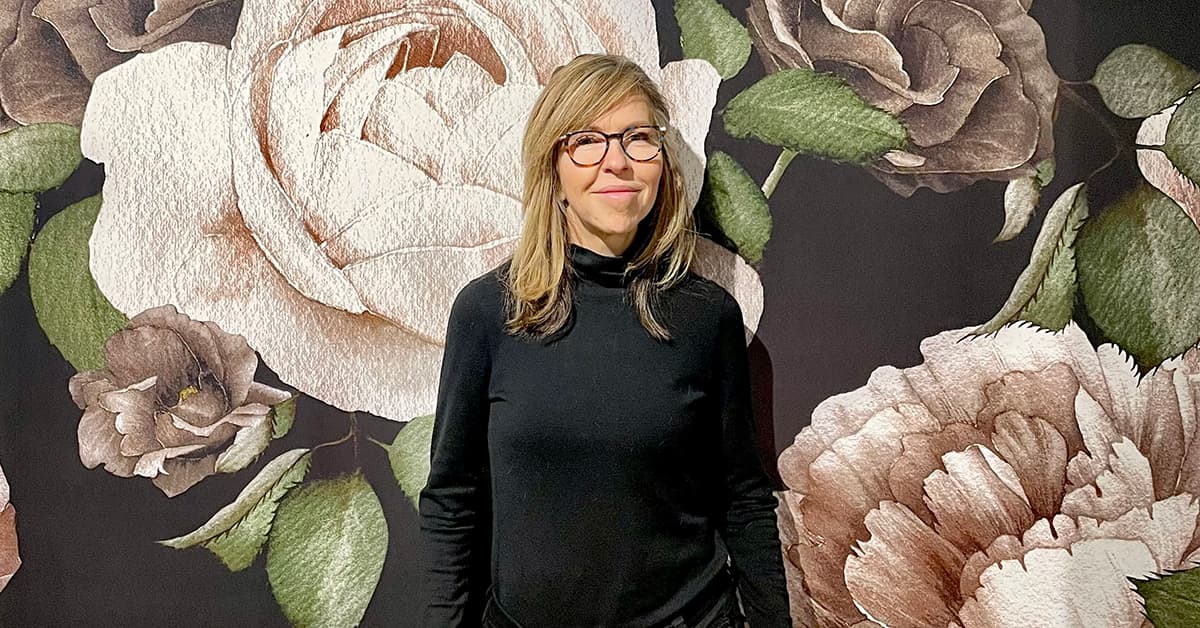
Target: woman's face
605 202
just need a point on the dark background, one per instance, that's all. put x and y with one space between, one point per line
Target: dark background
854 277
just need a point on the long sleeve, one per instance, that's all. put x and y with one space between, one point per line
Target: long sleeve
455 507
749 527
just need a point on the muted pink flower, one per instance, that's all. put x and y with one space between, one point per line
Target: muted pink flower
176 402
1009 479
969 79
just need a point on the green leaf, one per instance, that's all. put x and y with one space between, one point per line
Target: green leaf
1139 275
734 202
1183 138
38 157
72 311
1136 81
708 31
814 113
236 532
1045 292
283 417
326 552
409 456
16 226
1020 202
1045 172
1172 601
247 444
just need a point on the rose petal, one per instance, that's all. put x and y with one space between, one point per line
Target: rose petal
1158 170
1087 591
38 77
973 48
87 386
150 464
922 455
178 475
977 499
1038 454
772 30
265 207
266 395
903 549
88 46
730 271
437 273
690 87
1125 485
10 558
100 443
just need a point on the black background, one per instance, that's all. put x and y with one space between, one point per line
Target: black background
854 277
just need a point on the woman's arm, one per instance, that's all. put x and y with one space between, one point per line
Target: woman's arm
455 505
749 528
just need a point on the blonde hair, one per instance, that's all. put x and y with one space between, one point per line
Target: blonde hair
538 289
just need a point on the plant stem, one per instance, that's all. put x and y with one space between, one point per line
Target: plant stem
349 435
781 164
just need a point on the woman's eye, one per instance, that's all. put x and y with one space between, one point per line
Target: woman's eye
587 139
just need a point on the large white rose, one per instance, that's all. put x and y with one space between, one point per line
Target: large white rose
325 186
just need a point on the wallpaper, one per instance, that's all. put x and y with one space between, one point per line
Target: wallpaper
963 235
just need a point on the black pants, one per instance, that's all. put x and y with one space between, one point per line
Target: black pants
719 611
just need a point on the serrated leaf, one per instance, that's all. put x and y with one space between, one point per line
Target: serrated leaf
237 532
736 205
38 157
408 456
247 444
326 552
1045 290
1172 601
1139 277
708 31
71 310
1183 138
16 226
1020 201
284 414
818 114
1136 80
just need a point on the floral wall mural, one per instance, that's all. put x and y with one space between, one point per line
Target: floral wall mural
962 234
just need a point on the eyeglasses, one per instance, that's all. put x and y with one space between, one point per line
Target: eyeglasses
588 148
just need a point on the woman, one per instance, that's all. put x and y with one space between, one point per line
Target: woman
593 413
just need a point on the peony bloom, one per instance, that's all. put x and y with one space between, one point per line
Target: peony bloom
176 402
969 79
52 50
10 559
327 185
1014 479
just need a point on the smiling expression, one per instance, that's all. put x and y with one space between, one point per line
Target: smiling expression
605 202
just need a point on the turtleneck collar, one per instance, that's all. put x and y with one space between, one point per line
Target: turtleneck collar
592 267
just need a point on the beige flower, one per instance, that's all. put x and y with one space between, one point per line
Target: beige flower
969 79
52 50
327 185
1014 479
175 403
10 559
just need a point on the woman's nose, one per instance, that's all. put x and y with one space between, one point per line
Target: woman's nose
614 157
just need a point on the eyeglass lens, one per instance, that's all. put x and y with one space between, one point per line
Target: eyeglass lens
589 147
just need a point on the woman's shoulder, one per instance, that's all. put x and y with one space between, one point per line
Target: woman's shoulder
484 295
707 291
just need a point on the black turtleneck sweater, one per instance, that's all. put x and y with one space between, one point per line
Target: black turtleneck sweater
601 477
